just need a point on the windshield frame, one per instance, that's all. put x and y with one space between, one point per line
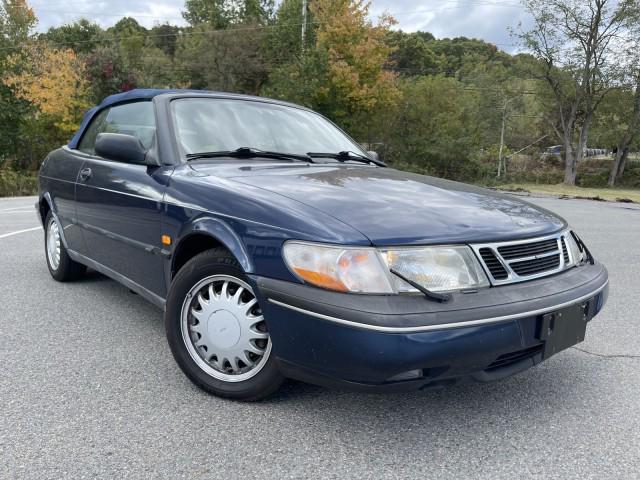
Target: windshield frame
182 154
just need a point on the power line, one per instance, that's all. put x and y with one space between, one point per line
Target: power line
220 31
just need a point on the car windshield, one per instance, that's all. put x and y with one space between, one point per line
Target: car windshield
214 124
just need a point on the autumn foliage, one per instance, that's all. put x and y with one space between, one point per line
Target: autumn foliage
53 81
356 54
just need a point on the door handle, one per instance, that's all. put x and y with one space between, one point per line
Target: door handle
85 174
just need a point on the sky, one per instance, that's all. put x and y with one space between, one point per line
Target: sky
485 19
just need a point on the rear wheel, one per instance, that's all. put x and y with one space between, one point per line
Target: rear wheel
216 329
60 265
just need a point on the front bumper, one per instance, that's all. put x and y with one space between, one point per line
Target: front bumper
398 342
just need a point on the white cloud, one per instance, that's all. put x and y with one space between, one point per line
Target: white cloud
106 13
485 19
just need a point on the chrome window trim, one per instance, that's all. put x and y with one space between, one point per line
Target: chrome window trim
512 276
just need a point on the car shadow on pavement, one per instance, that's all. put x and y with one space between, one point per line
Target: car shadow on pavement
555 386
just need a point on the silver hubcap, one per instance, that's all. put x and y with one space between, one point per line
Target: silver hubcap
53 244
224 330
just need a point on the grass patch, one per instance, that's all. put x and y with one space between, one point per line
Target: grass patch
565 191
14 184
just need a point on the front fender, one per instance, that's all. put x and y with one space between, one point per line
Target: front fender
46 198
219 230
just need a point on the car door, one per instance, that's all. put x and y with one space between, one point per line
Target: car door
119 204
58 176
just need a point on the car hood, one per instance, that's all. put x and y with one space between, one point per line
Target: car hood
391 207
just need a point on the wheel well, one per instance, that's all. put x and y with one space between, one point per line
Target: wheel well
190 247
44 209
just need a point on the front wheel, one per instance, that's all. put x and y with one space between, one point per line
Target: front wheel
216 330
60 265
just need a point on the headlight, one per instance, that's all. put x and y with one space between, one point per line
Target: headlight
436 268
338 268
367 270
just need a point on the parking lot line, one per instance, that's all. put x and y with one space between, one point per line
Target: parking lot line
17 232
25 208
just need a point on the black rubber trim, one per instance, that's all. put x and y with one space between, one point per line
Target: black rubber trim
407 311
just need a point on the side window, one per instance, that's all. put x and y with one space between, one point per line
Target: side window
136 119
88 140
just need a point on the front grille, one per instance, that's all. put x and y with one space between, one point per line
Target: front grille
493 264
528 249
536 265
517 261
514 357
565 251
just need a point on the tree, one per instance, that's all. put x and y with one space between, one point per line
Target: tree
631 75
220 14
107 73
215 13
456 52
259 12
284 41
575 42
165 37
434 128
412 55
81 36
344 74
16 22
233 59
53 81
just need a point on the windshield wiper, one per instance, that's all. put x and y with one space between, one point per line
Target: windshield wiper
247 152
438 297
347 155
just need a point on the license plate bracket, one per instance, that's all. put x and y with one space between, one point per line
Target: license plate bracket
564 328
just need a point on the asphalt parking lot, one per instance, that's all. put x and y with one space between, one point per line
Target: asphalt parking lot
88 389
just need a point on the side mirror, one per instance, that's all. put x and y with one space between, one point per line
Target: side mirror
121 148
373 155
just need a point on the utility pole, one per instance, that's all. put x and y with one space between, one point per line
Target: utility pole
304 22
502 160
504 124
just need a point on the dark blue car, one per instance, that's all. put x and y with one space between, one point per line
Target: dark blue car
278 248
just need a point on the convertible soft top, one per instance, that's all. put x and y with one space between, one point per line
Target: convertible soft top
131 95
148 94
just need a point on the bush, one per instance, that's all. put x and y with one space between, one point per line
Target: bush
17 183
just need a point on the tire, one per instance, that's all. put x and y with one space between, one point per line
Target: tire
209 307
60 265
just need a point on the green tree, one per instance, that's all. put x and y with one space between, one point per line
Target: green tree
284 40
81 36
434 128
576 44
457 52
413 55
107 73
215 13
343 75
16 22
229 60
165 37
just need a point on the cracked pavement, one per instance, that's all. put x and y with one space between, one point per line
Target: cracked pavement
89 389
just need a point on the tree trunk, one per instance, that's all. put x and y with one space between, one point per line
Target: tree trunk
570 170
623 162
570 174
618 163
617 169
